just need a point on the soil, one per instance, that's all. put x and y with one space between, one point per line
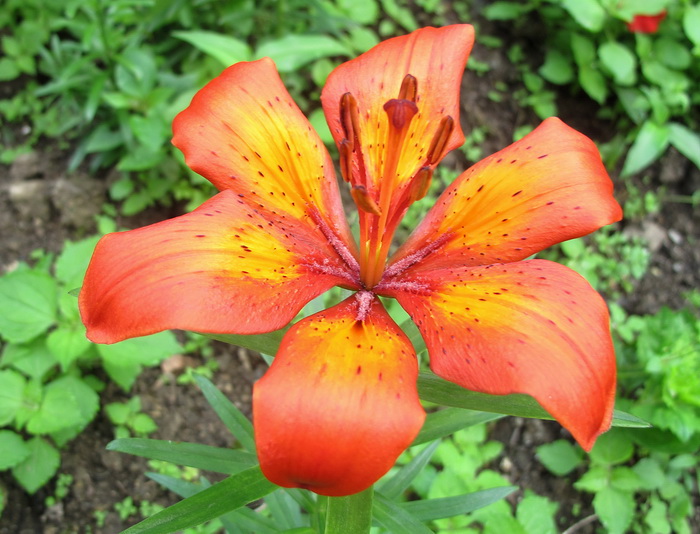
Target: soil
41 205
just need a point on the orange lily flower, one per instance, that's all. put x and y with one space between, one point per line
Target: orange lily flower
339 403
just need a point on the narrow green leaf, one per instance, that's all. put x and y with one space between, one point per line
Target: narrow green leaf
686 141
226 49
293 51
449 420
205 457
395 518
350 514
431 509
395 486
434 389
237 423
229 494
263 343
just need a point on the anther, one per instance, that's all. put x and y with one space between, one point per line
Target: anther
409 88
345 149
420 183
400 112
350 118
439 142
363 200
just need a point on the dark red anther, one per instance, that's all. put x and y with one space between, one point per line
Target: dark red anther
420 183
439 142
345 149
364 201
409 88
350 119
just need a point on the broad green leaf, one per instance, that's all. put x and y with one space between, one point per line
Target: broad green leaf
28 300
593 82
72 263
431 509
593 480
400 14
651 474
364 12
263 343
625 479
615 509
67 402
205 457
148 350
536 515
12 386
583 49
691 23
123 374
229 494
395 486
14 449
449 420
227 50
39 466
67 343
556 68
612 448
432 388
294 51
672 53
32 358
627 9
686 141
588 13
237 423
8 69
395 518
620 62
504 10
560 457
651 141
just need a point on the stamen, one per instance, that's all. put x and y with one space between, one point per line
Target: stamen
409 88
364 304
345 149
350 119
364 201
403 264
420 183
400 112
439 142
337 243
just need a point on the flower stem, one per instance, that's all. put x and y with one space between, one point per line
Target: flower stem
351 514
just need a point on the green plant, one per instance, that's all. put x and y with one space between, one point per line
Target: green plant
129 420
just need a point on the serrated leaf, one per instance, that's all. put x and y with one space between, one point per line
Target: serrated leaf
67 402
294 51
237 423
67 343
32 358
432 509
229 494
14 449
205 457
615 509
226 49
31 295
536 515
593 480
39 466
12 386
72 263
560 457
651 141
396 519
625 479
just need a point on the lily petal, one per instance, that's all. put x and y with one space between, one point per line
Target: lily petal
225 268
435 57
244 132
533 327
339 403
544 189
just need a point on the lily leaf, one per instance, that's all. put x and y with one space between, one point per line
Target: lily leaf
449 420
434 389
229 494
395 518
431 509
205 457
396 485
263 343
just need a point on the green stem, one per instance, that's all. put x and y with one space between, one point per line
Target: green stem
351 514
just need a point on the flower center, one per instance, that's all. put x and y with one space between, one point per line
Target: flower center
383 200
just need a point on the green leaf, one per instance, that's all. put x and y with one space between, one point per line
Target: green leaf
237 423
625 479
67 343
205 457
686 141
504 10
651 141
593 82
400 14
691 23
431 509
72 263
672 53
556 68
395 518
8 69
619 61
293 51
38 467
229 494
263 343
227 50
583 49
143 424
32 358
352 513
12 386
31 295
588 13
560 457
651 474
593 480
118 413
450 420
611 448
397 484
364 12
432 388
67 402
536 515
615 509
13 448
